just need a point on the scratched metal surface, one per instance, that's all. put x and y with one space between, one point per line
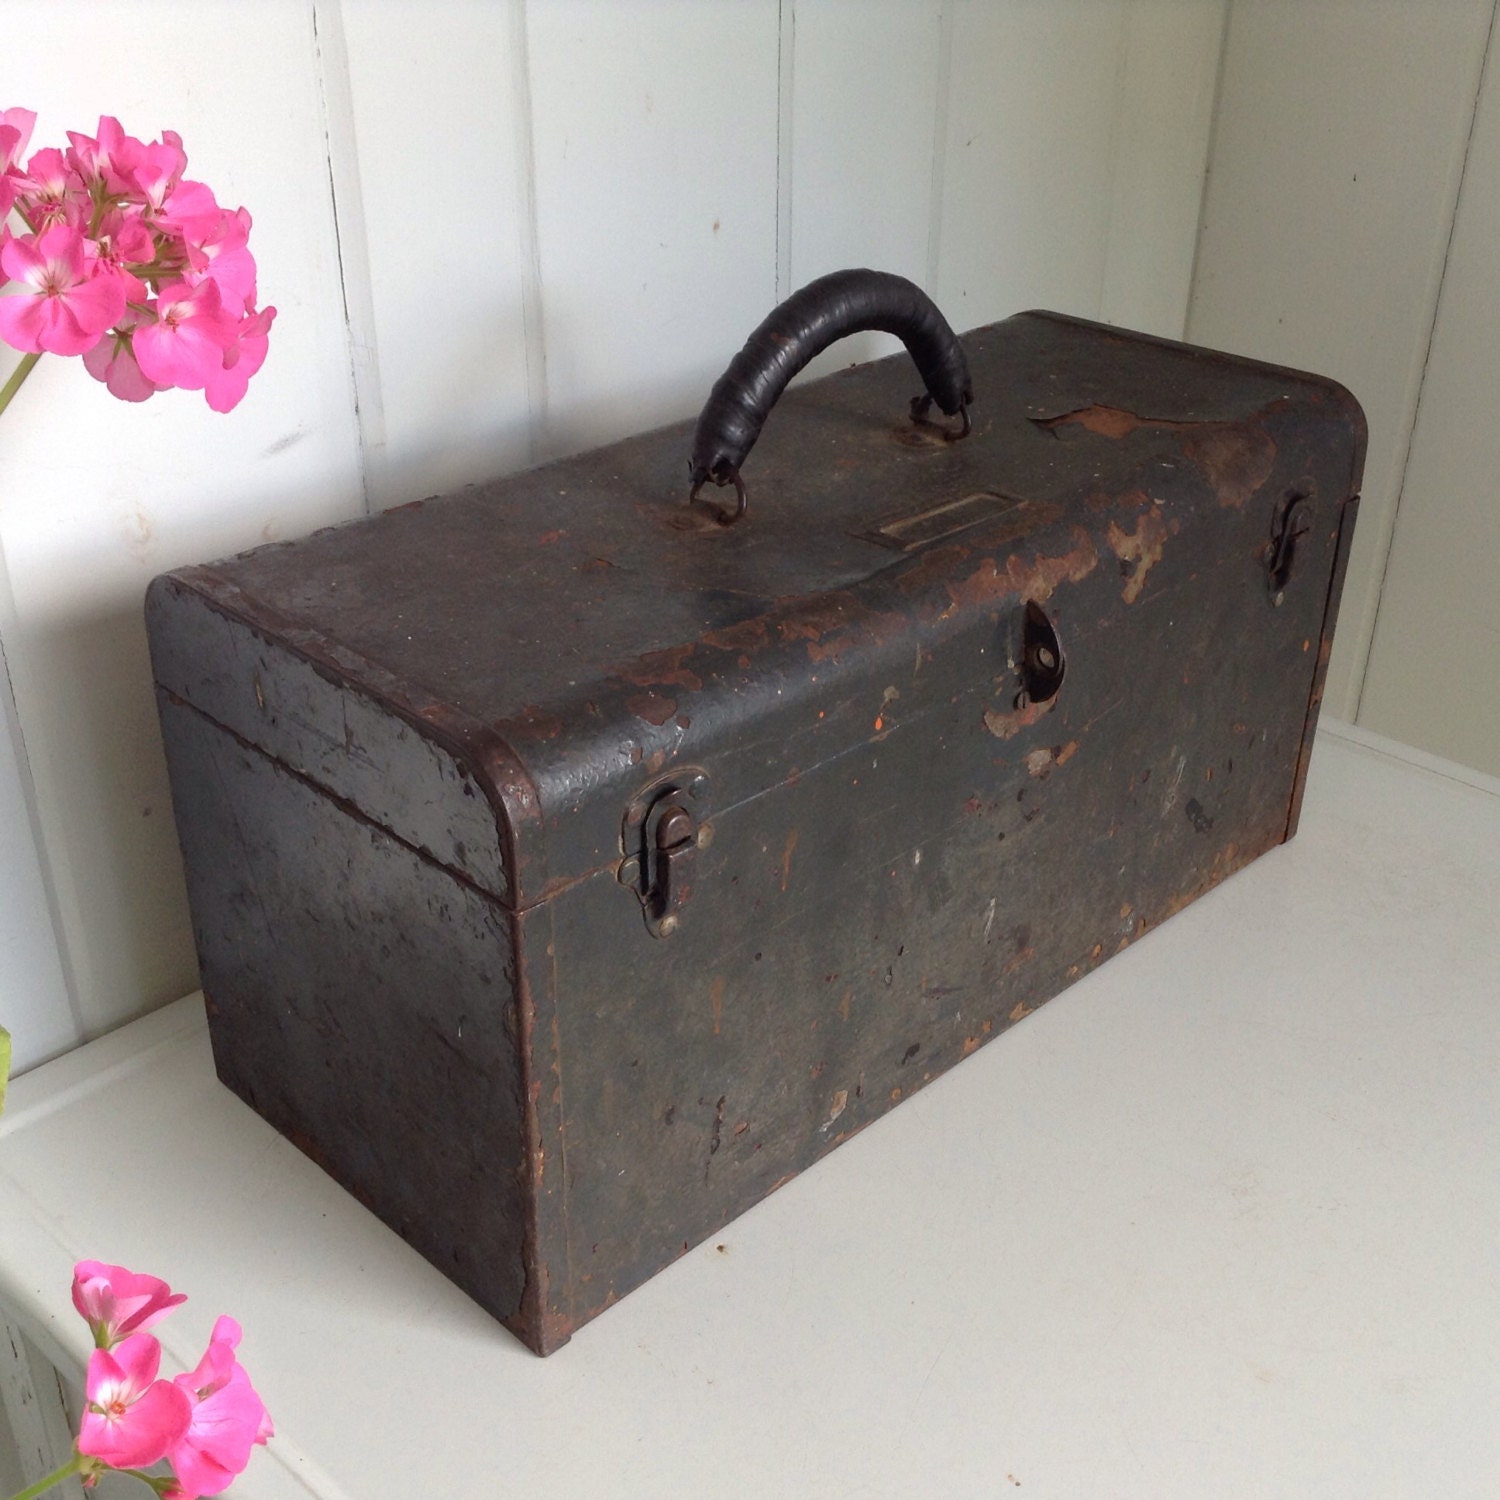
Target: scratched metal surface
904 863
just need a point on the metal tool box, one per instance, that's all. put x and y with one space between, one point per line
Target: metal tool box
570 866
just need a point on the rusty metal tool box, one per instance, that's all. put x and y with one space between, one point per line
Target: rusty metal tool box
569 868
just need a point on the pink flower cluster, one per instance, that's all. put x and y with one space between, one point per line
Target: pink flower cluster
205 1423
127 263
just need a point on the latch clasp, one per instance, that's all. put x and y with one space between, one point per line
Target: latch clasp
665 826
1288 526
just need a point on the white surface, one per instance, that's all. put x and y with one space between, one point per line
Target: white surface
497 231
1338 145
1221 1220
1434 676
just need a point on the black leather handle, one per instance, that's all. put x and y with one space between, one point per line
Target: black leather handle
823 312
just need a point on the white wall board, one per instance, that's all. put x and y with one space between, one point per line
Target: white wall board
1434 670
1339 142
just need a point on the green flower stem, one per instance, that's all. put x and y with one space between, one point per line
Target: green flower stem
11 386
75 1465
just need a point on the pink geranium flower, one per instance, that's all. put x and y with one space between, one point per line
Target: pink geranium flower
116 1302
51 192
108 160
125 261
186 343
228 1419
158 168
226 386
71 301
15 132
131 1418
112 360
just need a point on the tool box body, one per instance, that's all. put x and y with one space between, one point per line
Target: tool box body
568 869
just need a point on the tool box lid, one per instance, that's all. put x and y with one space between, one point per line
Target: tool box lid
494 676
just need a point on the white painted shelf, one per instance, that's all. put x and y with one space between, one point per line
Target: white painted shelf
1221 1220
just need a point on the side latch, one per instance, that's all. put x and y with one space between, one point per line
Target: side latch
665 826
1288 526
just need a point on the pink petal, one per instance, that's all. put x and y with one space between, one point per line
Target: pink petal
225 1427
21 121
20 258
23 322
121 1302
185 346
113 361
143 1433
81 315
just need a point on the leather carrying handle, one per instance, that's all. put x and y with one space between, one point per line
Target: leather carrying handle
823 312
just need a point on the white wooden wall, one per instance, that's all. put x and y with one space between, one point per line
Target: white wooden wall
1352 226
498 231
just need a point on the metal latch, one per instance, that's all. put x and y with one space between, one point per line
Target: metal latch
1042 662
1288 526
665 826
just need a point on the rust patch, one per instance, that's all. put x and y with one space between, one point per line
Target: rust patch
661 669
1105 421
1141 548
1037 579
1021 959
876 628
1041 761
1236 457
1020 1010
1005 726
815 619
536 723
651 707
786 858
748 635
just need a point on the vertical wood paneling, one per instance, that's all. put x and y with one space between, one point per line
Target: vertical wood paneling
1434 669
865 82
1032 104
556 221
97 496
655 144
434 229
1163 115
34 1003
1339 141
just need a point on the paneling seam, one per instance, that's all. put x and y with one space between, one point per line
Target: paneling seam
786 75
533 307
1210 148
8 623
1112 192
939 149
1416 416
351 250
